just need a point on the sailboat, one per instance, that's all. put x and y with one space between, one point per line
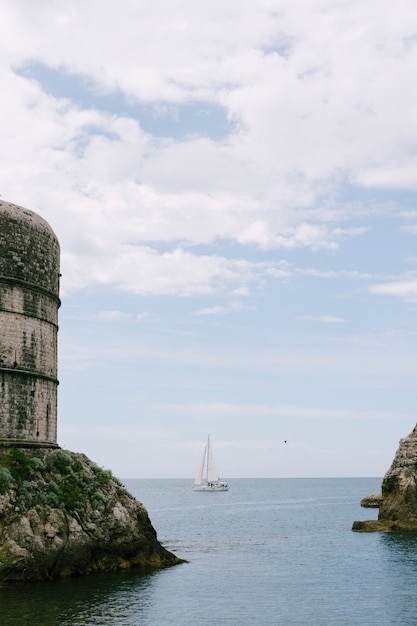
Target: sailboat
208 478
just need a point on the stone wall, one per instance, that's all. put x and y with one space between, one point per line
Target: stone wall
29 249
29 301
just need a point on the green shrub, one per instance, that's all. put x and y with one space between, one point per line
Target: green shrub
19 464
103 476
62 460
25 488
37 463
59 480
97 498
53 486
51 500
6 479
72 496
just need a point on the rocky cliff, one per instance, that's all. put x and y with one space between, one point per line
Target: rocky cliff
373 501
398 499
62 515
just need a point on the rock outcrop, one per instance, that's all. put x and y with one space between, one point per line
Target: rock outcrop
398 500
372 501
62 515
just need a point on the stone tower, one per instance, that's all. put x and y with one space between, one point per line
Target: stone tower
29 302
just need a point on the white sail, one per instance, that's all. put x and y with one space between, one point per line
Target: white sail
208 478
199 478
212 473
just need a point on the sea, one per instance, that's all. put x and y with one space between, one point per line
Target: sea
266 552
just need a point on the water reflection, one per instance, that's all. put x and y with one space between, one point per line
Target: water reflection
400 573
401 547
105 599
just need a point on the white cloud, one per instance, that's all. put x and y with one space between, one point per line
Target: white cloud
231 307
233 152
143 270
141 317
223 410
406 289
112 315
352 274
314 92
410 228
328 319
403 176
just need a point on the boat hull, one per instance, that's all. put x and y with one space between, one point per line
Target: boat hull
211 487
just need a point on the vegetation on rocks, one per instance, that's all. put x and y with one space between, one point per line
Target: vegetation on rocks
53 479
62 515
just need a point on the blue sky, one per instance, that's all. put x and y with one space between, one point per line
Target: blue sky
234 190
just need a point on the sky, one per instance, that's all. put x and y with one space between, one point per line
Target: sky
233 185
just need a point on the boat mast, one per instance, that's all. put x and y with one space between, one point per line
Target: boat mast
208 457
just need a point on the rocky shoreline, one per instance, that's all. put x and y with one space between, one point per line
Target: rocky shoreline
397 502
61 515
372 501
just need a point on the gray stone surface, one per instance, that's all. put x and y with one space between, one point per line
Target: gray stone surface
61 515
372 501
398 500
29 302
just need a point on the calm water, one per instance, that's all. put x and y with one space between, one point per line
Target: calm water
268 552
